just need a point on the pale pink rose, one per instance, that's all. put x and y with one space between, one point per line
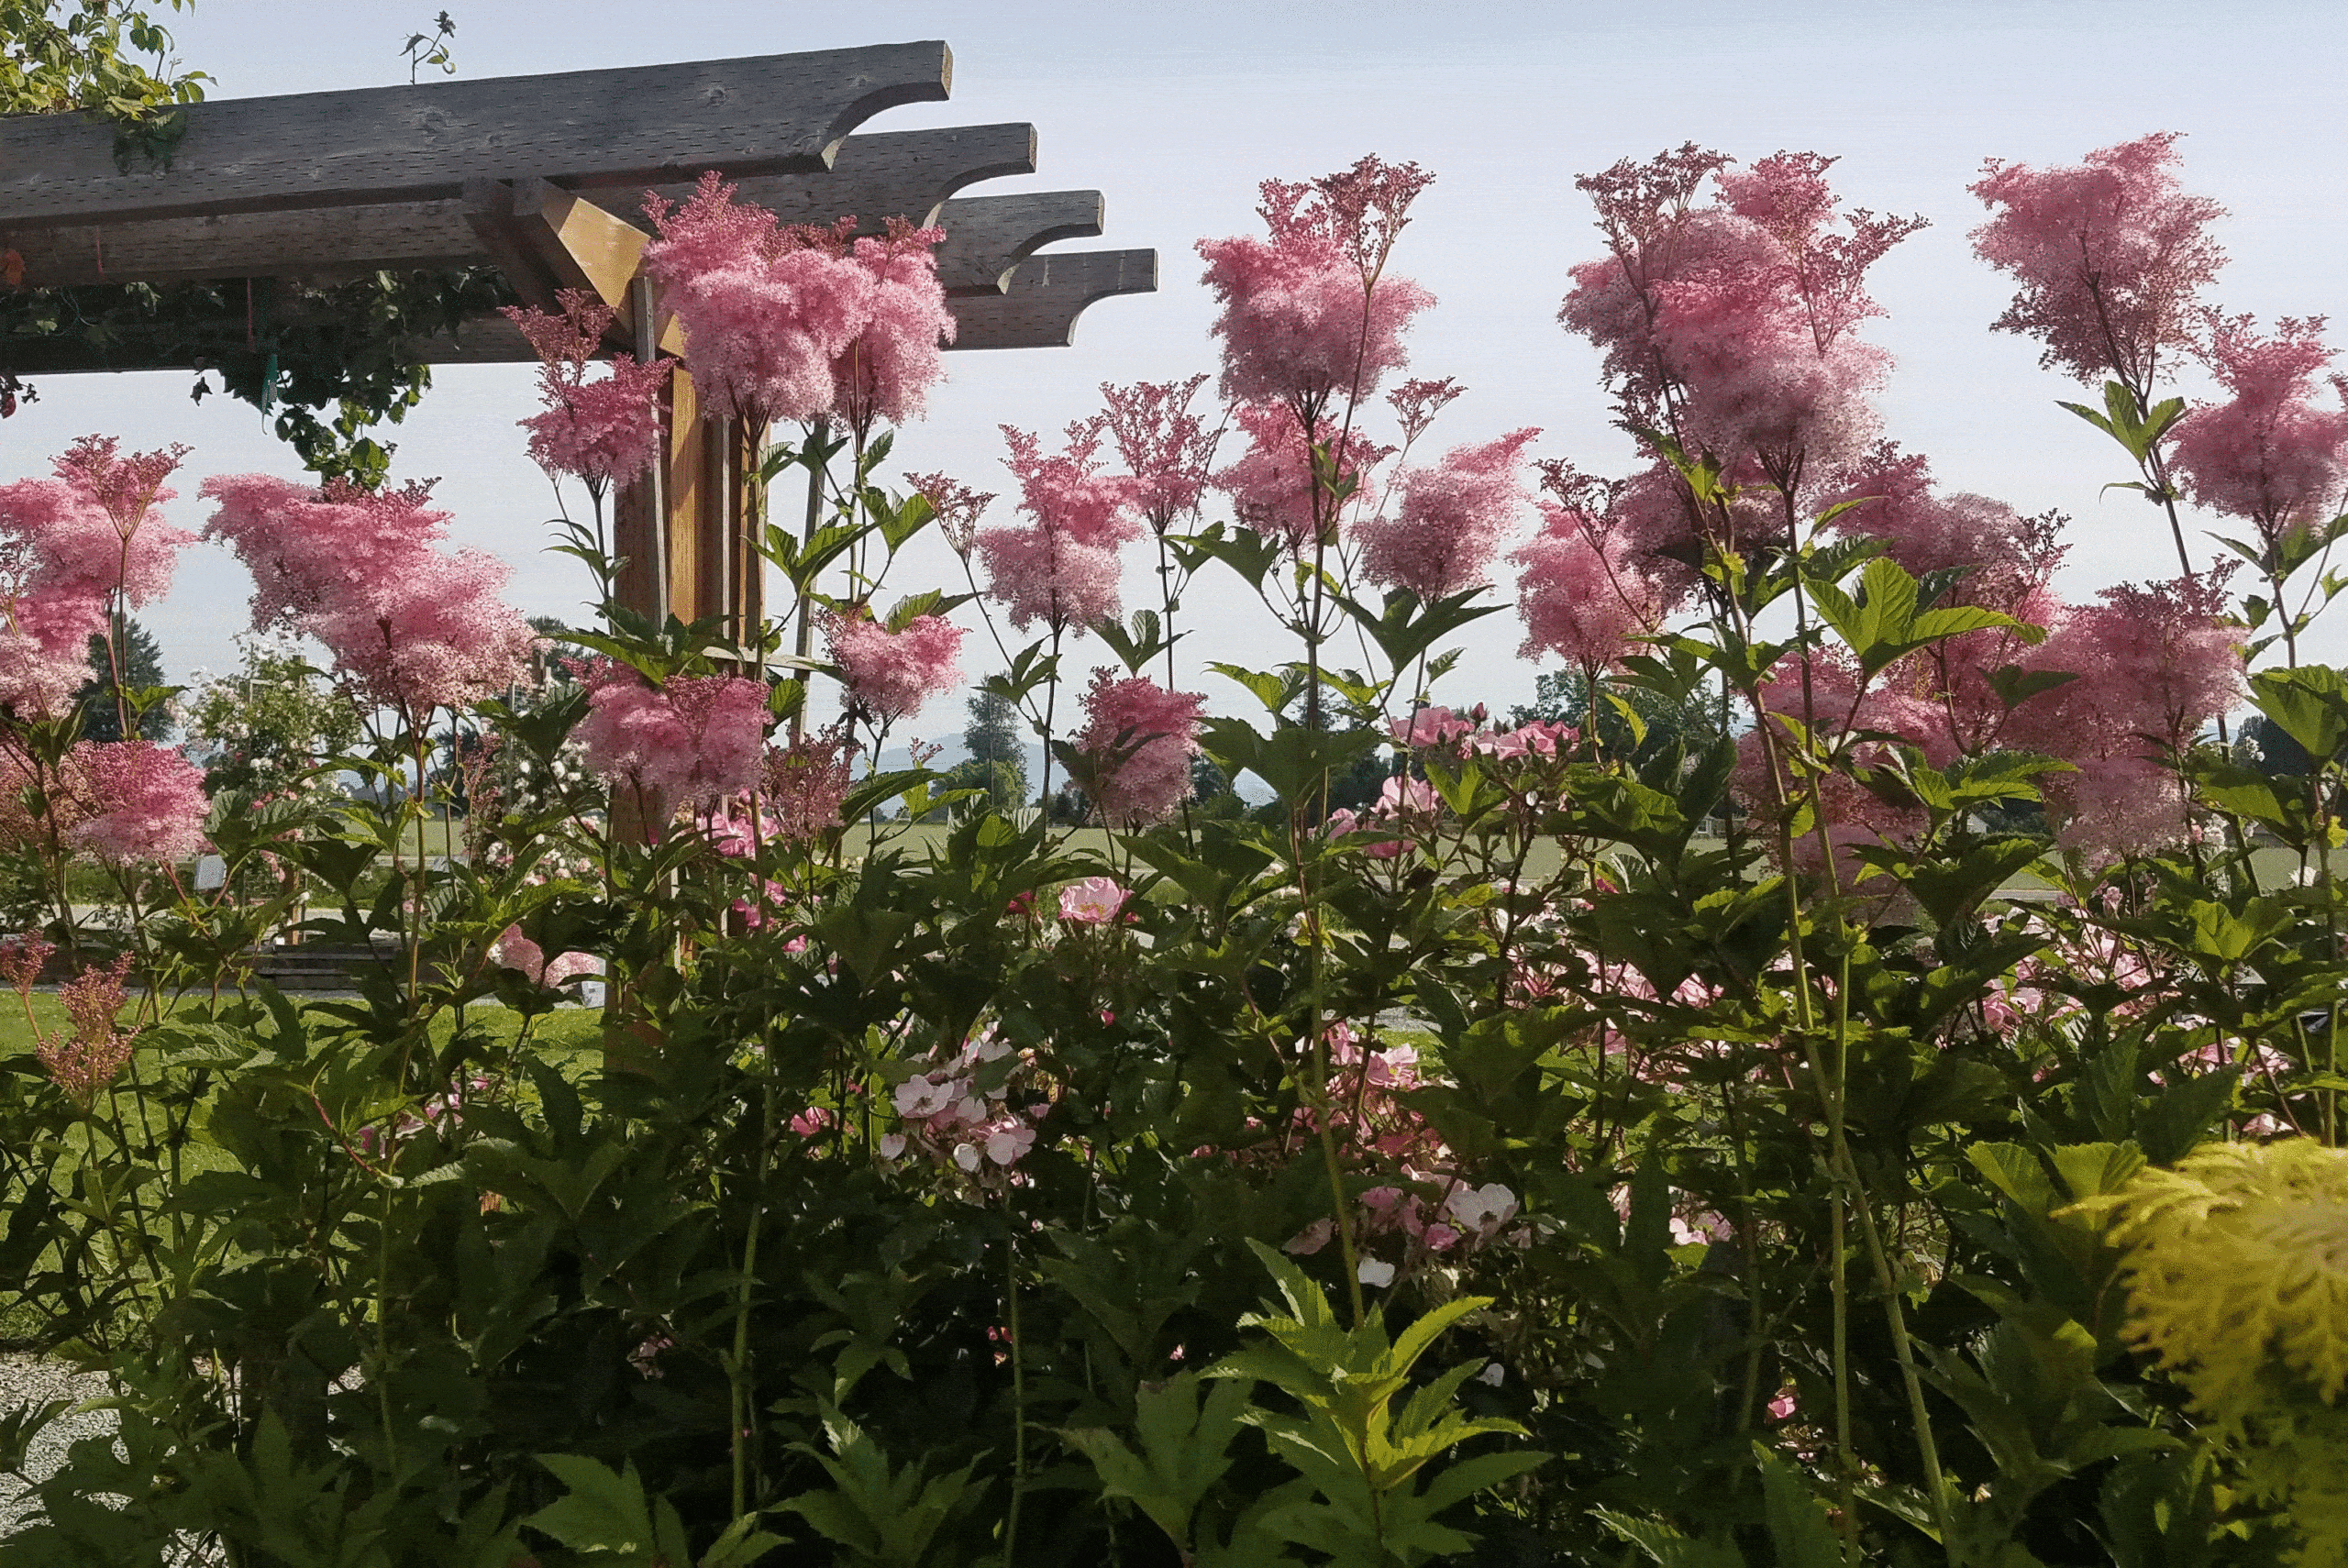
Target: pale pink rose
1093 901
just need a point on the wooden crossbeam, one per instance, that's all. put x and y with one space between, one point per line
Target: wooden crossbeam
891 173
987 237
587 129
1046 293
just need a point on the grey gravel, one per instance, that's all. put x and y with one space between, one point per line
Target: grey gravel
30 1380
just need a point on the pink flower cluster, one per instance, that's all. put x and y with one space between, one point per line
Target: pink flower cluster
144 802
2109 256
84 1061
415 628
1450 521
512 950
891 674
2154 664
692 738
1585 594
1095 900
802 785
969 1114
1434 1210
2267 453
1060 568
1164 446
602 432
1307 313
1138 739
1272 485
2149 667
796 324
67 544
1728 325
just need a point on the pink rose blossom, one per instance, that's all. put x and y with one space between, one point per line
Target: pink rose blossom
1093 901
1139 741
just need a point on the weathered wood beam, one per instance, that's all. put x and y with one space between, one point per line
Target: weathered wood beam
645 124
885 174
1045 295
986 237
907 173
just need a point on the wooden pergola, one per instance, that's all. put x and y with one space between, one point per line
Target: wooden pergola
529 174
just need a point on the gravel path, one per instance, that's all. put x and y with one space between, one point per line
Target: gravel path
28 1380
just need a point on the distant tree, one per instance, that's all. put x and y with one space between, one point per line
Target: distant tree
2272 750
143 661
998 756
266 727
1006 783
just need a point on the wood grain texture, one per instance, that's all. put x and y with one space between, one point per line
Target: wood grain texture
1046 296
986 237
908 173
764 116
885 174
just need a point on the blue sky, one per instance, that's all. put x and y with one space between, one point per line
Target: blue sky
1177 111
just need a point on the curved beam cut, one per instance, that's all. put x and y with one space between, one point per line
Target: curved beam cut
765 116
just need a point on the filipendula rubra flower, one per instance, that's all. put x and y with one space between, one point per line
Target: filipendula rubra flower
1307 313
1583 594
67 546
1138 741
1165 445
1060 566
1729 327
897 353
766 308
2154 664
414 628
1450 520
792 323
2268 453
2109 256
602 432
92 1056
692 737
891 674
1272 486
146 802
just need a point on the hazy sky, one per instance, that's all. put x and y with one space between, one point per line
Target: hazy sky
1176 111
